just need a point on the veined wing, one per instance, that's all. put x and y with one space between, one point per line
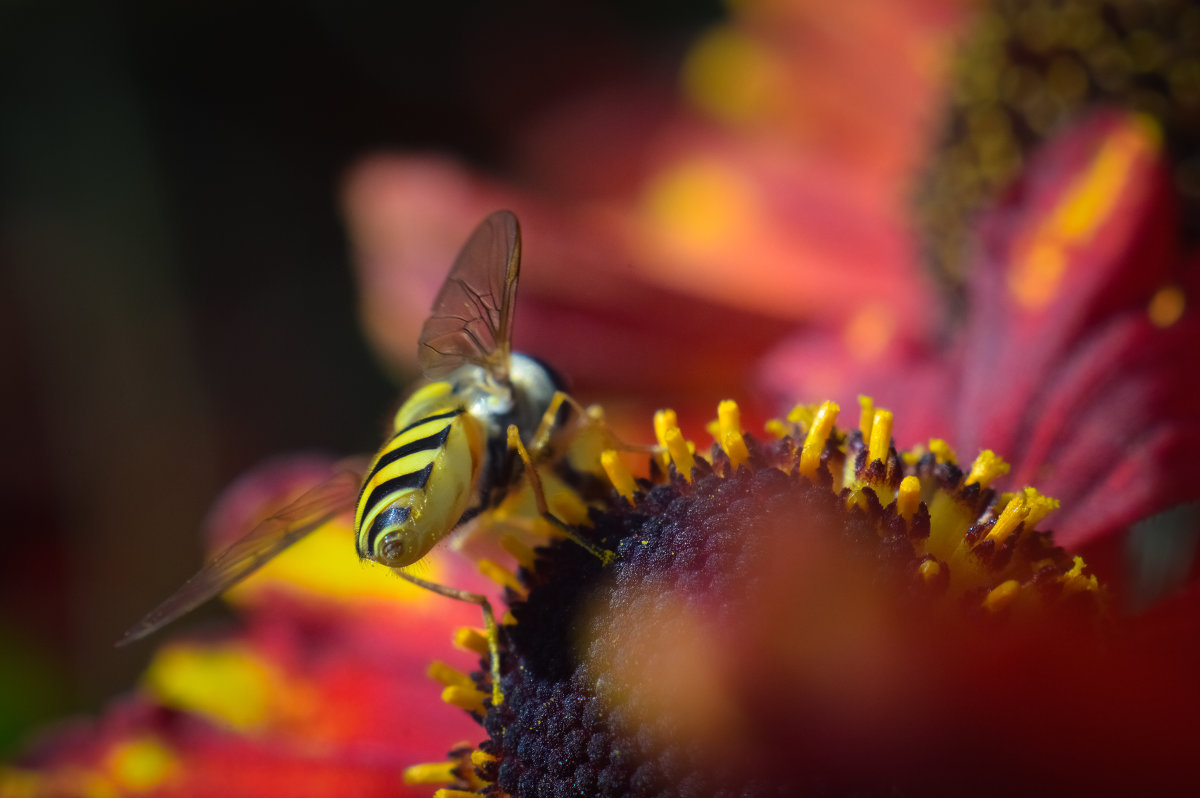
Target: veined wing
316 507
471 320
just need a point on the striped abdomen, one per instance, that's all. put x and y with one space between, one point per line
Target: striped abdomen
422 480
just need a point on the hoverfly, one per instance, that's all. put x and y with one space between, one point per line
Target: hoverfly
454 447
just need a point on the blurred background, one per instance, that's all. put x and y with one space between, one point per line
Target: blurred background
176 298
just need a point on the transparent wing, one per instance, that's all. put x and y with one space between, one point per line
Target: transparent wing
314 508
471 321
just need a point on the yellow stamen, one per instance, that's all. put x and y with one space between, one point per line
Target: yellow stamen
519 551
681 455
818 434
482 758
729 423
1166 306
987 467
776 428
930 570
500 575
908 497
449 676
735 447
1039 506
618 474
445 793
142 764
1014 514
469 699
431 773
474 640
664 420
1001 596
802 415
1075 580
508 619
866 416
881 437
942 451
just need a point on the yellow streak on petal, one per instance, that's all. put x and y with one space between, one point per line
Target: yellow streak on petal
1166 306
227 683
818 434
141 764
1040 262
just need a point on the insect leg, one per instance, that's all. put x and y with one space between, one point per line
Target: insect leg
539 495
593 416
489 623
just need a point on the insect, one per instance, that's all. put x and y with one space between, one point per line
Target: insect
458 445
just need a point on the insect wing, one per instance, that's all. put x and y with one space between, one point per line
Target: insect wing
471 320
312 510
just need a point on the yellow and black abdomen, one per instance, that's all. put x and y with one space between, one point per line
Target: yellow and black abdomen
422 480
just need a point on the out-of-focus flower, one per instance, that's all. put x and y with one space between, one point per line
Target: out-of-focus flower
772 194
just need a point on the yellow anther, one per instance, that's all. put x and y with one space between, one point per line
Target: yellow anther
447 793
618 474
449 676
908 497
681 455
942 451
1075 580
814 442
1014 514
881 437
729 419
519 551
866 416
508 619
482 758
930 570
500 575
735 446
1166 306
802 415
1001 596
664 420
776 428
987 467
474 640
464 698
1039 506
431 773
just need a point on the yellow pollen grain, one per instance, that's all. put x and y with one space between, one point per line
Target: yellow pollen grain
520 552
681 454
448 676
987 467
474 640
908 497
881 436
930 570
141 764
618 474
818 434
866 416
500 575
1015 514
431 773
1001 596
464 698
1166 306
